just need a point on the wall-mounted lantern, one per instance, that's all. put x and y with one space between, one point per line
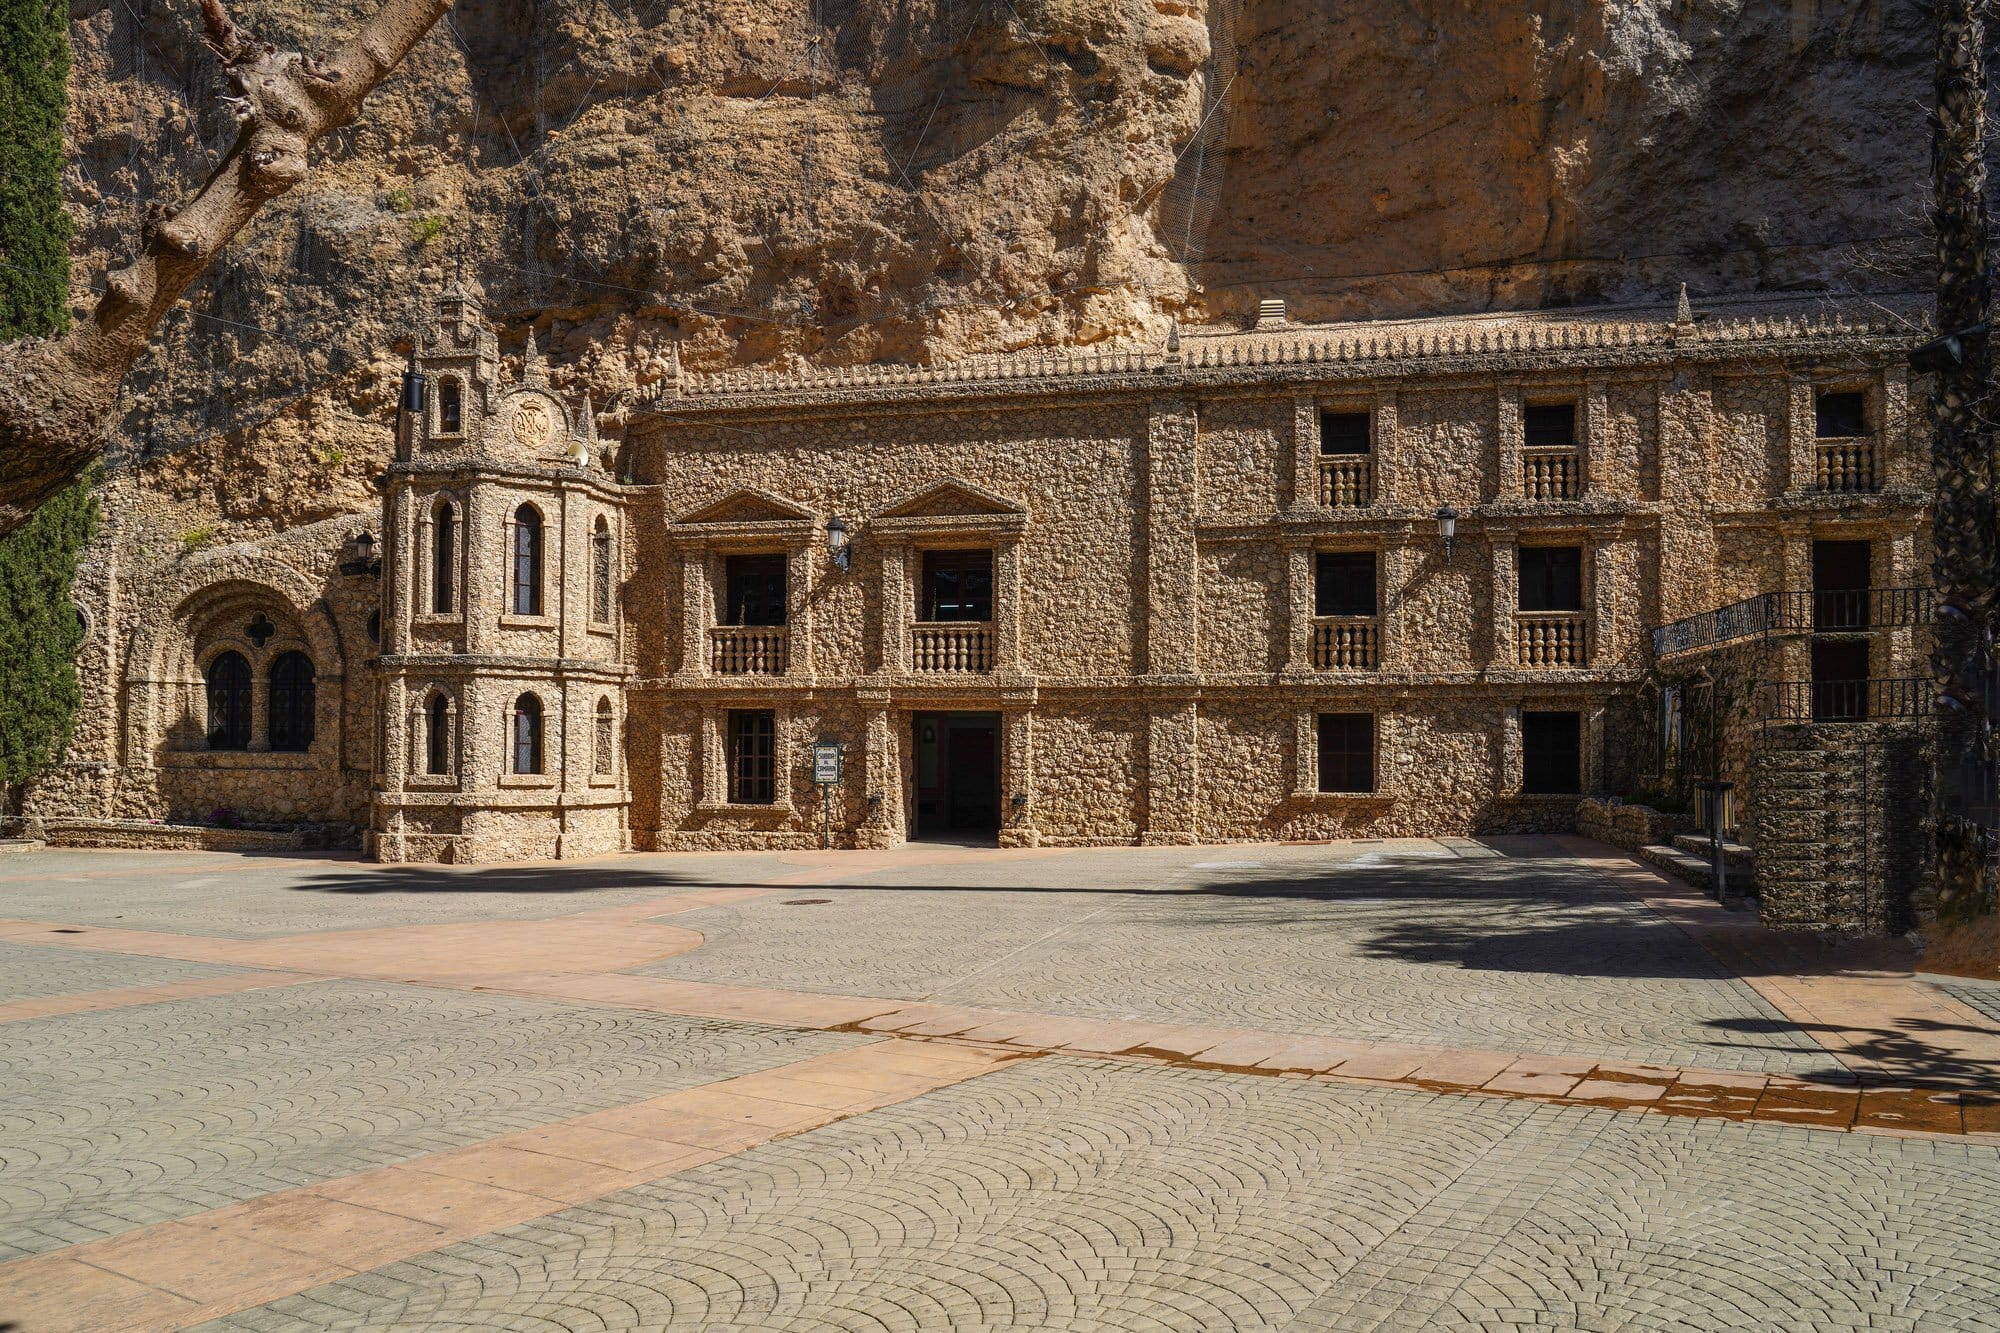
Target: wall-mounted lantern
1447 529
837 541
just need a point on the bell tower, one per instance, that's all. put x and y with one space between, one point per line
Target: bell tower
504 658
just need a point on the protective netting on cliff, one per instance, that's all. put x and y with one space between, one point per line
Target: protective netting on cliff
1187 205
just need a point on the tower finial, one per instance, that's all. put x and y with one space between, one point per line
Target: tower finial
532 369
1683 310
586 424
1173 337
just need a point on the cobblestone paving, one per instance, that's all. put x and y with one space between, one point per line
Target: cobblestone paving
1071 1195
239 899
32 971
1527 953
1980 996
121 1118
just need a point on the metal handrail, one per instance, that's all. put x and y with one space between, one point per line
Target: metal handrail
1840 611
1878 699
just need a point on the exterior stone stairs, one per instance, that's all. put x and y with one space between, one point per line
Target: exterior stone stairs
1688 860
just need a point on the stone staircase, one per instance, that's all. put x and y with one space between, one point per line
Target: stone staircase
1688 859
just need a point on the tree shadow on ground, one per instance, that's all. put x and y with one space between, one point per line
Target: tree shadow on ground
1896 1053
473 880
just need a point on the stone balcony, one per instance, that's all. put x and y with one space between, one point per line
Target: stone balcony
1551 473
951 646
1346 643
1346 481
748 650
1847 466
1545 639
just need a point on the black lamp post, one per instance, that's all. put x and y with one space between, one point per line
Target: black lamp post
837 542
1447 529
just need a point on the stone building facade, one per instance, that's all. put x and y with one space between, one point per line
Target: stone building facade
1278 583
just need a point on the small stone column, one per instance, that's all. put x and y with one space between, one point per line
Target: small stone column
1800 430
1602 614
882 779
1501 654
1596 428
799 571
898 609
1173 776
1305 455
1297 652
1017 778
1508 427
1384 447
697 610
1007 585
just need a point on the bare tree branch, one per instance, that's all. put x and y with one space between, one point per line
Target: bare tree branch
57 395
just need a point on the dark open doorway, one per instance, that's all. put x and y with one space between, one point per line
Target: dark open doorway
958 774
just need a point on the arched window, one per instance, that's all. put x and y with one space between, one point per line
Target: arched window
292 702
604 739
450 418
228 702
444 558
600 572
527 561
437 735
527 734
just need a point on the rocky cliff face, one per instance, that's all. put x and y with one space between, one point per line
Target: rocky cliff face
854 180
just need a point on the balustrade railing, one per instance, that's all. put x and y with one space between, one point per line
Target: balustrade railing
1346 643
1874 700
748 650
1551 638
1848 465
1551 473
1346 481
952 646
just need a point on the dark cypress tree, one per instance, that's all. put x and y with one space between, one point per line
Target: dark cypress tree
39 629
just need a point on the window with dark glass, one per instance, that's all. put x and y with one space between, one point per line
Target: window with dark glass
603 738
437 739
228 702
958 585
1838 416
1344 583
753 757
527 738
1551 578
1551 753
291 702
449 418
1347 752
1343 432
600 573
444 560
1548 424
754 590
527 561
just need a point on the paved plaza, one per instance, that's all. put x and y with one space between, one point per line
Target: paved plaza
1377 1085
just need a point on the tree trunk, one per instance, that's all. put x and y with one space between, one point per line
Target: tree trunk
1963 561
57 395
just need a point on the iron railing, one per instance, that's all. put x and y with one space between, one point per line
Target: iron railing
1849 610
1879 699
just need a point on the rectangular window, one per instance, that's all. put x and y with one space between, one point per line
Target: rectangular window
1548 425
754 590
1347 752
1343 583
1839 416
1551 578
1343 433
958 585
753 757
1551 753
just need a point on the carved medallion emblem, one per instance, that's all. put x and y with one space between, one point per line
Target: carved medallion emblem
530 422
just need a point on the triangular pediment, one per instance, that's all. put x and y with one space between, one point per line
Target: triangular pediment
747 505
954 499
